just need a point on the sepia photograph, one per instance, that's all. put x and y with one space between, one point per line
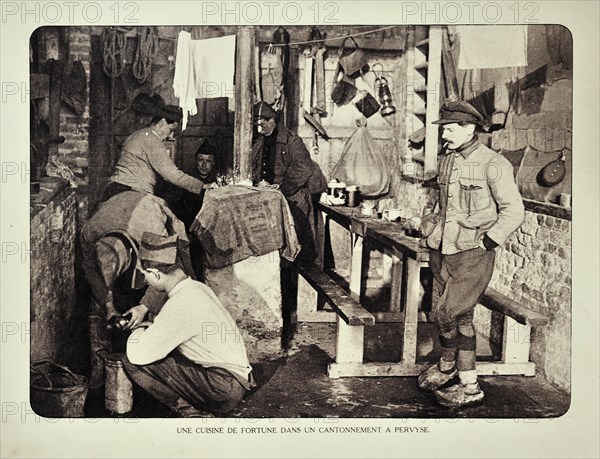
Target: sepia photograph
297 229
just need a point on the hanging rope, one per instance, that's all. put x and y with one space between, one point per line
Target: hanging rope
113 49
146 50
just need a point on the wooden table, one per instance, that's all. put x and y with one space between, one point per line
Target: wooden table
407 257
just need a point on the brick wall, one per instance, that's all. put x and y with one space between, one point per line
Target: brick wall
74 152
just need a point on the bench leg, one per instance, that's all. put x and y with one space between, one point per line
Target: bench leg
349 344
516 341
515 352
411 310
396 284
356 267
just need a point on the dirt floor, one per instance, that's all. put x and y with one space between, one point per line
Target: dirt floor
295 384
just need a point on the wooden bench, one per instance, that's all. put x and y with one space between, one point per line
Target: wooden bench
516 335
407 257
351 317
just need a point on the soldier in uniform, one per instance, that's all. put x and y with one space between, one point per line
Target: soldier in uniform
479 207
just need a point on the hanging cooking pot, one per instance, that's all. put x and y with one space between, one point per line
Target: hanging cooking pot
554 172
355 63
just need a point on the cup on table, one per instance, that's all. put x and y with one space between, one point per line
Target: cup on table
392 215
367 208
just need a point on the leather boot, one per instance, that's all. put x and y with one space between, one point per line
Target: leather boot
98 341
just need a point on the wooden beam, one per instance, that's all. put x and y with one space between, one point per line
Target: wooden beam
378 370
244 100
496 301
346 307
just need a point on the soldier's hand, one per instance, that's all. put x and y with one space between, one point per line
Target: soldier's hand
137 314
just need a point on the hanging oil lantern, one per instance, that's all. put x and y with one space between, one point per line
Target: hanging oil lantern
384 93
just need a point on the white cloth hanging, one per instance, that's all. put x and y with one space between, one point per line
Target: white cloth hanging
203 68
491 47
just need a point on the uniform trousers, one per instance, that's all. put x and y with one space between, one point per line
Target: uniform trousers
175 377
461 279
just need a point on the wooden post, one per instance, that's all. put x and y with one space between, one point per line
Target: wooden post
409 348
244 100
356 265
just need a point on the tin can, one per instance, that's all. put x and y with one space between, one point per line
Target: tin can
352 198
118 389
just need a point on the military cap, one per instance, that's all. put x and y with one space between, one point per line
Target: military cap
459 112
155 248
147 104
206 148
264 110
171 113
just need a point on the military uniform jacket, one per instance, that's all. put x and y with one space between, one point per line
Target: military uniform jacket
478 195
293 166
144 155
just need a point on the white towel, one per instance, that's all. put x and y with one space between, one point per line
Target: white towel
491 47
203 68
183 81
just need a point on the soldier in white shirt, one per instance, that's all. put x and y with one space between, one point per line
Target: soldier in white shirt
192 357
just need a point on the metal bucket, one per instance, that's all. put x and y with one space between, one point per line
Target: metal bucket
56 392
118 389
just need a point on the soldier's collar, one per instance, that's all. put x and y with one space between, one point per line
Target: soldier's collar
466 148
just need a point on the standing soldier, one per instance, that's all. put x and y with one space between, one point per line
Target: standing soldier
479 207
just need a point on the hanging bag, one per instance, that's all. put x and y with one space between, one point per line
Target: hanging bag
362 163
354 63
367 104
343 89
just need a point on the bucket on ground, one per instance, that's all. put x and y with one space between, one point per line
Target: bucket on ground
56 392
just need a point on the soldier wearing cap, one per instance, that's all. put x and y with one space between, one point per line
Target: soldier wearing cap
279 157
192 357
479 207
144 156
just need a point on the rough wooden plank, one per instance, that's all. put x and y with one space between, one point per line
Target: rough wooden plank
500 368
317 317
348 309
546 208
356 266
411 311
396 283
243 103
495 300
399 369
374 369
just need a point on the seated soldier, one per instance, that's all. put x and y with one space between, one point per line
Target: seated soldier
191 203
192 358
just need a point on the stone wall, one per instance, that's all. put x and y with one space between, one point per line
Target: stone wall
55 316
534 268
